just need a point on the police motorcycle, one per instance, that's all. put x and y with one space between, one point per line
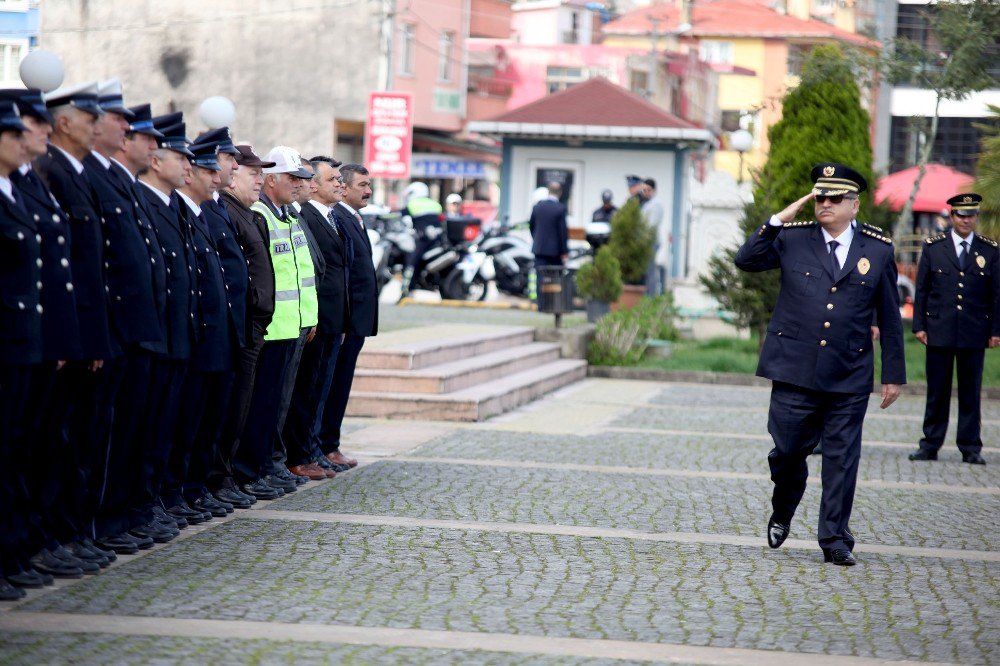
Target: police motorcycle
511 258
392 239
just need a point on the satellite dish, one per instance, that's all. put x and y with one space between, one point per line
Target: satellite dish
217 112
42 70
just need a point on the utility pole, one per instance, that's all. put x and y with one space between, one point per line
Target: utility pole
654 82
386 25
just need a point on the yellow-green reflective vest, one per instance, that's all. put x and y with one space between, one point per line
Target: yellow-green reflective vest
295 303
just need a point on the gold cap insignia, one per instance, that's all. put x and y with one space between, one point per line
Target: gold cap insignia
829 171
864 266
981 261
966 199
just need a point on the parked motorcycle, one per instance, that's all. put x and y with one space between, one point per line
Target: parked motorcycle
511 257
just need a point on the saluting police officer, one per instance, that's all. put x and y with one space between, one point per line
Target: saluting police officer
818 351
956 314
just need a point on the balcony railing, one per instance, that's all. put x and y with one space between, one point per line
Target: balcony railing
482 85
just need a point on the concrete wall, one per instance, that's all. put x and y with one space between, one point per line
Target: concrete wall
291 68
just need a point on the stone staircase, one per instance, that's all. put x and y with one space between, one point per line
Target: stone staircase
456 372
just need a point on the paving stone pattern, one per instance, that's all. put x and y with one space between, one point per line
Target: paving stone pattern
101 649
721 596
702 453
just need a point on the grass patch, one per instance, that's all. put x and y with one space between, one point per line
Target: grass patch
734 355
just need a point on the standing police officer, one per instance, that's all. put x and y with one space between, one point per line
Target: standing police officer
956 314
818 352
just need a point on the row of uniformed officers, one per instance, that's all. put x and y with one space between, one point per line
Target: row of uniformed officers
178 326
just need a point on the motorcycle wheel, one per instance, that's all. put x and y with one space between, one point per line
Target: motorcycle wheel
454 288
477 290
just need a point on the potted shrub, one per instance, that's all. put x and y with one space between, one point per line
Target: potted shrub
633 242
600 283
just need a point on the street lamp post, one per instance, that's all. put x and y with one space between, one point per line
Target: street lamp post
741 141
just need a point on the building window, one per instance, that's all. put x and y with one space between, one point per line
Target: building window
716 52
639 82
14 5
446 47
560 78
956 144
572 36
10 59
406 31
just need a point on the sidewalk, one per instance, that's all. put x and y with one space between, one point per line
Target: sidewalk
612 522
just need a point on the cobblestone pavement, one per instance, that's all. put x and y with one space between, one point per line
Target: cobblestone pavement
638 538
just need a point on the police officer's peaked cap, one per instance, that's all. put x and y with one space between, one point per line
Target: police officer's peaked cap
174 138
111 99
29 102
82 96
205 155
142 121
632 179
966 204
222 139
832 179
10 118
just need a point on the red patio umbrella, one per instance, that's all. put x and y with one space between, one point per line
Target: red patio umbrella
939 184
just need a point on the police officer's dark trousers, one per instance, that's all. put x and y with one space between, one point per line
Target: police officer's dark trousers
941 362
799 418
14 534
253 457
340 392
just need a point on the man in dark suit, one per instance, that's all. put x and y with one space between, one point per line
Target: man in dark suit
166 173
49 399
319 357
95 377
956 314
548 228
129 260
835 275
251 234
20 350
362 299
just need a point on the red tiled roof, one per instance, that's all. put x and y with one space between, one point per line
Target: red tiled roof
729 18
594 102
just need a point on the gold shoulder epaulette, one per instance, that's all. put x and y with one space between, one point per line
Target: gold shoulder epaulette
930 240
800 225
871 231
989 240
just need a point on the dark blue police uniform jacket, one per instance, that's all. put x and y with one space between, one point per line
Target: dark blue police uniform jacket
20 275
234 264
819 336
76 196
213 348
958 308
126 260
60 329
157 263
548 229
180 281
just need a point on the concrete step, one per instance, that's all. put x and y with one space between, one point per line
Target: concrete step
476 403
460 374
417 348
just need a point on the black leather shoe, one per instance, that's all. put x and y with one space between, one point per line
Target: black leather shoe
118 544
110 554
29 579
776 533
209 505
922 454
47 563
143 543
188 514
285 475
261 490
155 531
326 464
973 459
235 499
281 484
839 556
168 521
9 592
90 565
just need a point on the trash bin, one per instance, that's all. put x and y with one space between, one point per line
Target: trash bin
555 290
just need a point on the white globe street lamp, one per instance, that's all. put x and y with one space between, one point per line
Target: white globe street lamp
217 112
741 141
42 70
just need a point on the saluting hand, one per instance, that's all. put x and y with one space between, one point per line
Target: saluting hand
789 213
889 394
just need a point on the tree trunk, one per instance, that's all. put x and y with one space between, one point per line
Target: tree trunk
922 159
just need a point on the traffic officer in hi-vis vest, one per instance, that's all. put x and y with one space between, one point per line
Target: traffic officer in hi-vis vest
836 274
956 314
295 309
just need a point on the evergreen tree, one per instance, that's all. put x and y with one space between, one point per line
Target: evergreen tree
632 241
822 121
988 176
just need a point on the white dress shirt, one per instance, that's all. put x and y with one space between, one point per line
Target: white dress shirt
958 240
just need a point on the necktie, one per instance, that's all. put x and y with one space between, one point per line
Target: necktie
963 256
360 220
833 257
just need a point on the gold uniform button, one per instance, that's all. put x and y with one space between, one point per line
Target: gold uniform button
960 285
822 343
829 306
959 307
39 308
961 274
960 297
826 324
833 290
64 262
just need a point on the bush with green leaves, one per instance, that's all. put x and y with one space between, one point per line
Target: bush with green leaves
622 337
633 241
601 279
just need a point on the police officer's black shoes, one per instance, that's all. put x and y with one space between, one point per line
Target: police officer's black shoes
211 505
776 532
10 593
839 556
973 459
47 563
28 579
233 498
262 490
155 531
923 454
120 544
